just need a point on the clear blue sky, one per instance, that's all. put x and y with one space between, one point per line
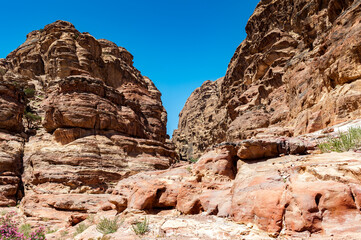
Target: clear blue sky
177 43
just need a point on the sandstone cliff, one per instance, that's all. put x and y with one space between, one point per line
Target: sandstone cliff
75 117
82 134
297 71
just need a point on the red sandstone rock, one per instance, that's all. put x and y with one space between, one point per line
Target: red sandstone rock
11 143
290 196
101 120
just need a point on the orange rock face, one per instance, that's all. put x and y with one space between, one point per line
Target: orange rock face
297 71
75 117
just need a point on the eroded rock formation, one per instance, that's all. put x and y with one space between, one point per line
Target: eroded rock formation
298 196
297 71
11 143
90 119
82 133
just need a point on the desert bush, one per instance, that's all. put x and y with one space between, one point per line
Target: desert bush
31 119
107 226
101 238
25 229
140 228
193 160
80 228
29 92
344 142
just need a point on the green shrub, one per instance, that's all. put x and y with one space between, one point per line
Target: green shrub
25 229
31 118
344 142
107 226
101 238
193 160
140 228
29 92
80 228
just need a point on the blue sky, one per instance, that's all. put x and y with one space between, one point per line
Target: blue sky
178 44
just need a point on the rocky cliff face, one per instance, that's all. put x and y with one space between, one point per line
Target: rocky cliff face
202 111
297 71
75 117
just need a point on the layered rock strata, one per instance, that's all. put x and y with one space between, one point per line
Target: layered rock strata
11 143
297 71
76 117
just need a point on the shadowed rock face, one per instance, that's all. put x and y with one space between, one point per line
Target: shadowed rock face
11 143
297 71
202 111
101 120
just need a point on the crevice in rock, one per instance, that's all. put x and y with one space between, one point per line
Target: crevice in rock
21 189
68 210
283 219
352 196
317 198
234 165
354 199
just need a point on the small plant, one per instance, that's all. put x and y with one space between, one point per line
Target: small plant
80 228
64 233
189 169
107 226
2 71
193 160
29 92
140 228
101 238
49 231
344 142
91 218
41 30
31 118
25 229
75 37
